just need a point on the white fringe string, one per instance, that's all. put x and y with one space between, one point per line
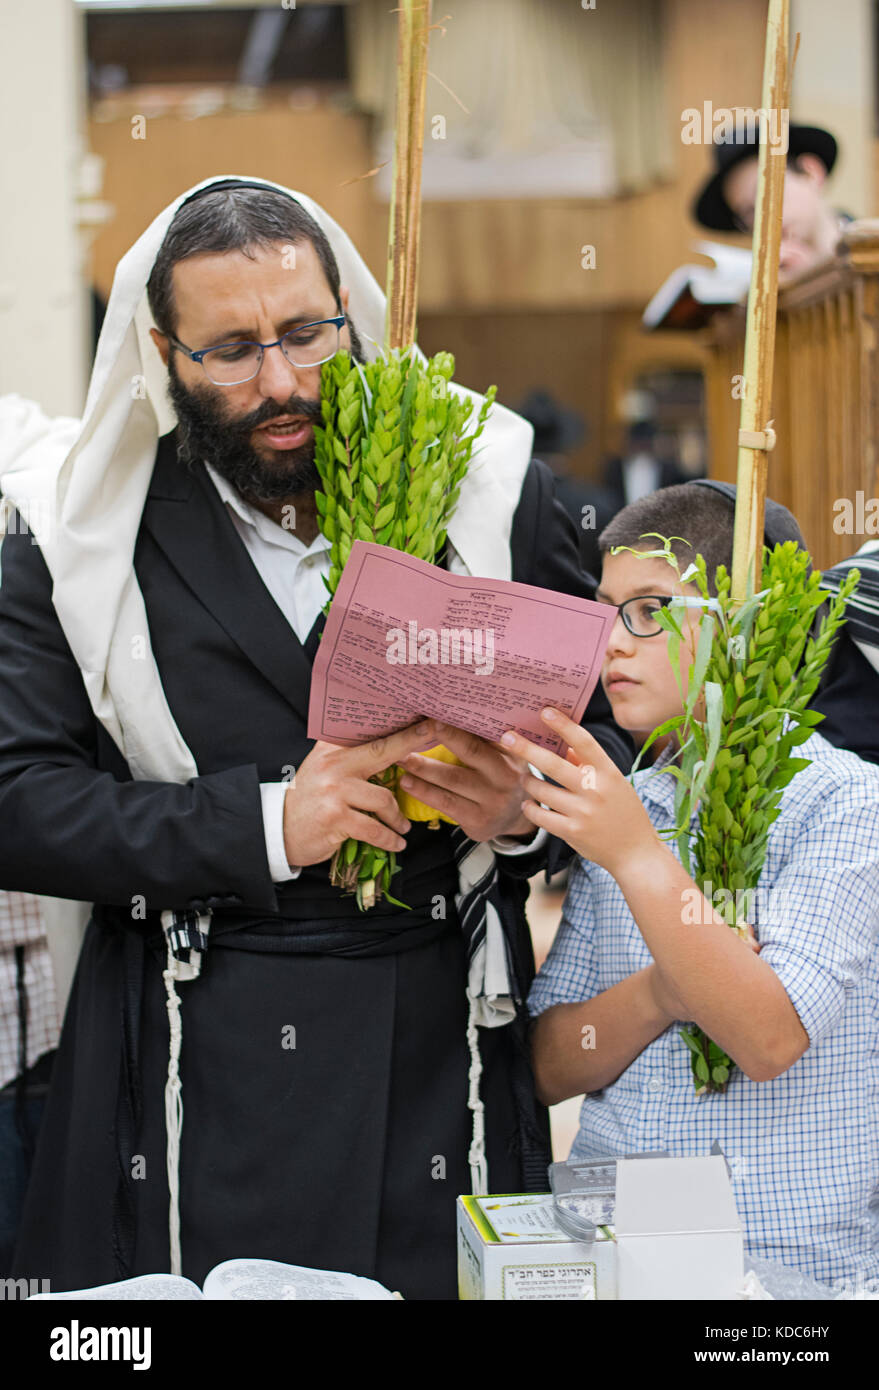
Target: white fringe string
476 1156
173 1112
176 970
174 1107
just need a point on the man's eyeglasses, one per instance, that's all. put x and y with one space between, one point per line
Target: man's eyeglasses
231 364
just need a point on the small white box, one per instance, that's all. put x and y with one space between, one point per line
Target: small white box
509 1247
678 1232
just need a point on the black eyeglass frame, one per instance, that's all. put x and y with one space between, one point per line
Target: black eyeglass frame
662 599
709 605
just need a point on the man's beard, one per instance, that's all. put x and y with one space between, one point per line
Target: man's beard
205 430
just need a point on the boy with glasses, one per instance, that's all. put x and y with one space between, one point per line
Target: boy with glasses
796 1007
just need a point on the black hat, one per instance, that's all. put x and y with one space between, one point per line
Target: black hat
711 208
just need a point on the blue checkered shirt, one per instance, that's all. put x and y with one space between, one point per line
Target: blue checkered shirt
804 1148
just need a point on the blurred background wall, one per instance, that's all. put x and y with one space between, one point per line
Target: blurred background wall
44 270
551 128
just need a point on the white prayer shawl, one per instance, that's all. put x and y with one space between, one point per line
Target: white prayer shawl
82 487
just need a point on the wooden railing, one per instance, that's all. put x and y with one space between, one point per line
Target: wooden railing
825 397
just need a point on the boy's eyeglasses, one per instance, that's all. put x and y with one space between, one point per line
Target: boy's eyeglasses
639 614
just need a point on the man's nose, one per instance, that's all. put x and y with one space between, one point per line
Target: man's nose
278 379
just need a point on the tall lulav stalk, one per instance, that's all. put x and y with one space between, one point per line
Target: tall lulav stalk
404 233
756 437
755 669
396 441
746 690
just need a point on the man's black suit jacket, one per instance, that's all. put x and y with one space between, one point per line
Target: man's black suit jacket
376 1087
73 824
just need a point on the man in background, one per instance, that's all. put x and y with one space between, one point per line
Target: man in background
557 431
640 470
811 228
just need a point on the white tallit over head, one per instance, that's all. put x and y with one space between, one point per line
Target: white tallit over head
84 503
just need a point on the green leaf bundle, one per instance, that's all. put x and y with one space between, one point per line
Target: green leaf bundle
746 696
392 453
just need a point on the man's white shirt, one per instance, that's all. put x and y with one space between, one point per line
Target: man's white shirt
293 573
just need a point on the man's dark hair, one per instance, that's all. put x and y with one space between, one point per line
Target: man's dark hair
702 516
233 219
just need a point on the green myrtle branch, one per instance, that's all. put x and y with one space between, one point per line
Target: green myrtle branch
392 451
749 680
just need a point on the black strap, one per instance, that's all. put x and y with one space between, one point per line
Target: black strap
535 1146
22 1120
129 1104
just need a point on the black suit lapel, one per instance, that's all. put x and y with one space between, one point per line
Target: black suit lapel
188 519
312 641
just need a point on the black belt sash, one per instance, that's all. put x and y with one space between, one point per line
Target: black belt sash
404 930
338 939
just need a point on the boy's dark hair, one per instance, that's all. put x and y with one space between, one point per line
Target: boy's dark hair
233 218
703 516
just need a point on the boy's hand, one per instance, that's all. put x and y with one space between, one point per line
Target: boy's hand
482 792
595 810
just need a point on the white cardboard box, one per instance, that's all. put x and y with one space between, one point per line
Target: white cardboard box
676 1235
509 1247
678 1232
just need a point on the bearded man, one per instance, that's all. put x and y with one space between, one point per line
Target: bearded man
345 1074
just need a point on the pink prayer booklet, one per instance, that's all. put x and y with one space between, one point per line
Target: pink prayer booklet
405 639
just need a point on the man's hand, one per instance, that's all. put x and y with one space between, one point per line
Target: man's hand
483 793
332 794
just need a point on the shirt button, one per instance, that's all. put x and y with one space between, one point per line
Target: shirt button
654 1084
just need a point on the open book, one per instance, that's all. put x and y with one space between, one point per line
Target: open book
244 1279
691 293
